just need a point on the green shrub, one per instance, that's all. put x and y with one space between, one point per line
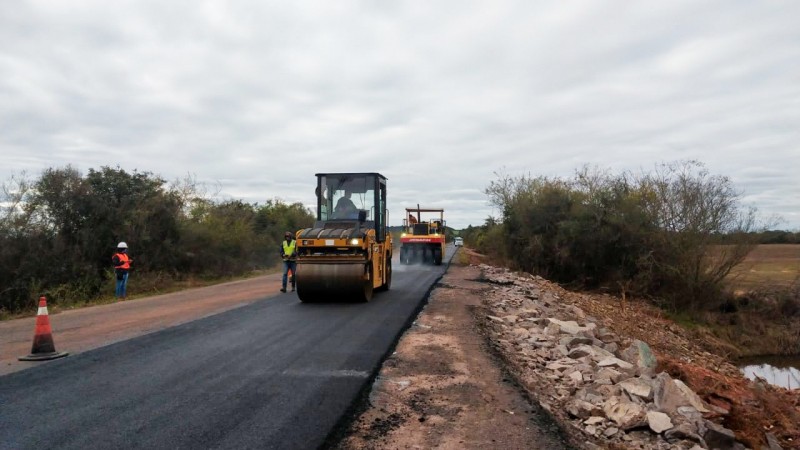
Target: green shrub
653 234
57 234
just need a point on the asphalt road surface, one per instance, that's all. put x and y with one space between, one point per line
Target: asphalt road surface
273 374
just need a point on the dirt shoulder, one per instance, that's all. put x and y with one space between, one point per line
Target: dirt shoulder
442 387
83 329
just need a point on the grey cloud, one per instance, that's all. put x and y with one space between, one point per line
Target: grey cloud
259 96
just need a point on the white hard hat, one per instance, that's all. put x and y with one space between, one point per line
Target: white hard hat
122 245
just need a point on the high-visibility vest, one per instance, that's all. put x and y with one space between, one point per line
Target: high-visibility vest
124 261
289 248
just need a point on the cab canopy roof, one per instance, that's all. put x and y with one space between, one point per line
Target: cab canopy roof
350 174
355 182
418 209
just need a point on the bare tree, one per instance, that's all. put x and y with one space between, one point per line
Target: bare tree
13 197
691 209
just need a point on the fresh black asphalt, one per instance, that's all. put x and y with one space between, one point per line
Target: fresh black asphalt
275 374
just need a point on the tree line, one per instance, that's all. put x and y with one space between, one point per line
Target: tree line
58 232
775 237
654 234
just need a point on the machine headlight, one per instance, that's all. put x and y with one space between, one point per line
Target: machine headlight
402 235
354 241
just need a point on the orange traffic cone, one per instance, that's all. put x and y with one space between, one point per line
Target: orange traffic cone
43 346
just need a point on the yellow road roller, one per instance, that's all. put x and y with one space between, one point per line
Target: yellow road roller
347 254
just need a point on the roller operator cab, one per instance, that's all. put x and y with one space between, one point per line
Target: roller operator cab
423 237
347 254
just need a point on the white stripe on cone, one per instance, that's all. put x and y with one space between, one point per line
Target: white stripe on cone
42 311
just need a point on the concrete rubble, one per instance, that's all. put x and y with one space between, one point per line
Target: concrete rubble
594 382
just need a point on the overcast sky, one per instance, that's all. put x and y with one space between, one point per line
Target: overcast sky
257 97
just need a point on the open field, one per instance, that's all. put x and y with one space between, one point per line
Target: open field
770 264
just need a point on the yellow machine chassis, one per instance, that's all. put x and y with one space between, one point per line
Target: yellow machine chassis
341 268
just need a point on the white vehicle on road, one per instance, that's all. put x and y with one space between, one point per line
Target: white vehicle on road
458 242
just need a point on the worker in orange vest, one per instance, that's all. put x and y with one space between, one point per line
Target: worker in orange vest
122 264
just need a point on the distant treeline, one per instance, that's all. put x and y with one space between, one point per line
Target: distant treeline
774 237
652 234
58 232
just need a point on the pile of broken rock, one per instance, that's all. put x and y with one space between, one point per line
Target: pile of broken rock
603 388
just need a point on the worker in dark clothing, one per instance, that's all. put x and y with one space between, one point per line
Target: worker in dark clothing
345 208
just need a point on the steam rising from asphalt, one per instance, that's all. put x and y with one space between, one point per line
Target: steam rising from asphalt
417 264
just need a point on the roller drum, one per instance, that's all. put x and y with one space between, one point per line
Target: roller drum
319 282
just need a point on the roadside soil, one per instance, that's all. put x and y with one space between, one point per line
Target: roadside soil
443 388
79 330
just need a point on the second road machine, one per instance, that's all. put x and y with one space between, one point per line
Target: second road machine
347 254
422 239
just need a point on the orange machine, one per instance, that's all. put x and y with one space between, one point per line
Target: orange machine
422 240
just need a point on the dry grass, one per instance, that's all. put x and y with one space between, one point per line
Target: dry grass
753 334
766 287
142 285
767 265
462 257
